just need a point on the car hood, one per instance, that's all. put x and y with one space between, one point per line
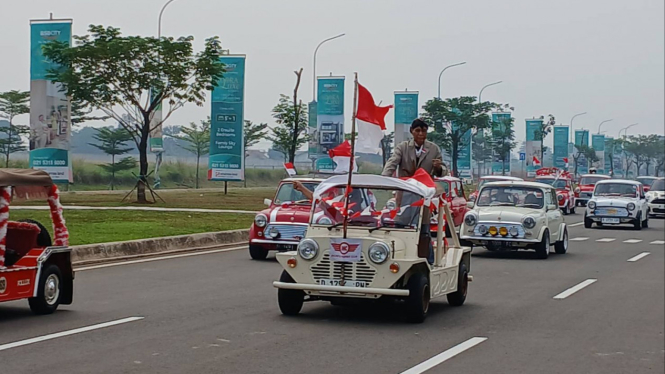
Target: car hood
288 214
500 213
613 201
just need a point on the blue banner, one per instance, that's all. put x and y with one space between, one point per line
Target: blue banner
500 166
561 136
582 138
227 154
40 34
533 146
598 144
406 110
329 115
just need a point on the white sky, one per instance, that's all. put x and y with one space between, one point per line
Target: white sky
605 57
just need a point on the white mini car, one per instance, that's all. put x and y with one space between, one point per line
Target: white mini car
516 215
617 201
656 198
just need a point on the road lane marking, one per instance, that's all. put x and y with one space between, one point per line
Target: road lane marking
578 239
574 289
576 224
632 241
639 257
606 240
67 333
445 356
658 242
158 258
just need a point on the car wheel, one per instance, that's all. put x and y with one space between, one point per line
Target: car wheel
257 253
417 303
645 223
458 297
587 222
290 301
637 225
543 248
49 291
561 247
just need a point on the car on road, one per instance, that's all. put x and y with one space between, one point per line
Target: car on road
514 215
562 181
656 198
491 178
383 255
585 186
452 192
617 201
647 181
32 265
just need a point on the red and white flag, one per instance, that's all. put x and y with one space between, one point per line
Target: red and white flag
565 160
370 121
341 155
422 179
536 161
290 169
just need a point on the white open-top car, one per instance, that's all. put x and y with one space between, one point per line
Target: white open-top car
516 215
386 253
618 201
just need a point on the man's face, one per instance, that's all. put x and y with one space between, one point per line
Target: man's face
419 135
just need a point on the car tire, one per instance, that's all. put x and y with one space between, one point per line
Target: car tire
257 253
561 247
290 301
645 223
566 211
458 297
637 225
543 248
417 303
587 222
49 291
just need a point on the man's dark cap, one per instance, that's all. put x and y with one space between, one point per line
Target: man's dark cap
419 123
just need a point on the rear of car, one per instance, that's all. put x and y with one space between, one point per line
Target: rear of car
584 190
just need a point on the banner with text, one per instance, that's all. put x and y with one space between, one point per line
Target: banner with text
561 137
406 110
312 132
582 138
533 146
500 165
598 144
329 119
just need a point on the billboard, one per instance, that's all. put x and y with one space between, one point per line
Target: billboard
582 138
312 132
533 145
500 166
598 144
226 161
561 136
329 119
50 119
406 110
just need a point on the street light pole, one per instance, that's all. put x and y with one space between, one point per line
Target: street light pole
607 120
314 64
484 87
625 134
159 23
625 157
571 125
441 73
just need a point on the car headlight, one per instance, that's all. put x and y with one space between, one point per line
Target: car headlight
513 231
378 252
391 205
274 233
470 219
308 249
482 230
260 220
577 190
592 205
630 206
529 222
324 221
560 197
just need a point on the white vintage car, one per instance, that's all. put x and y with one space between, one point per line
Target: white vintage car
617 201
656 197
512 215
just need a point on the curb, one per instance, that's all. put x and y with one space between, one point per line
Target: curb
144 247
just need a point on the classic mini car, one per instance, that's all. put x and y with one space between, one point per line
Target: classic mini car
32 265
282 225
656 198
382 254
646 181
562 181
617 201
516 215
491 178
584 189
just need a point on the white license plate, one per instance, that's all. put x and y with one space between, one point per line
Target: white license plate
338 282
610 220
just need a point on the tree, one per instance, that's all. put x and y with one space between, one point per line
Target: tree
545 129
113 143
503 138
481 150
387 146
637 148
611 147
198 141
81 114
453 118
586 151
116 74
13 103
289 134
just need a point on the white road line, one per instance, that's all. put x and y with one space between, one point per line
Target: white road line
158 258
444 356
67 333
606 240
658 242
632 241
576 224
639 257
578 239
574 289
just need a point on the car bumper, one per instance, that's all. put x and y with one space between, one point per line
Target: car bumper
275 245
340 290
481 239
621 219
657 208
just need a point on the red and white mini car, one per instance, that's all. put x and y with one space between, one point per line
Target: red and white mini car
584 189
491 178
453 194
31 265
646 181
563 182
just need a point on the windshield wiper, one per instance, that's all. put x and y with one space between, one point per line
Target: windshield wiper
338 224
502 204
530 205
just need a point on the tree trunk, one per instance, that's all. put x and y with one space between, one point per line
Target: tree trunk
198 157
112 171
9 144
454 159
296 117
648 166
143 161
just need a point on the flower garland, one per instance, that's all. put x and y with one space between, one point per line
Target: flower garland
5 199
59 228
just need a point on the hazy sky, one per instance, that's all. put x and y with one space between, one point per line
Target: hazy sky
605 57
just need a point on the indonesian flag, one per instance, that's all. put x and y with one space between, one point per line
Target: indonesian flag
341 155
370 121
565 160
290 169
536 161
422 179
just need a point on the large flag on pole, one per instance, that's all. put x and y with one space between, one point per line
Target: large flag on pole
341 155
370 120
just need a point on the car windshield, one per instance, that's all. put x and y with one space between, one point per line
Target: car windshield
556 183
616 189
658 185
646 181
591 180
526 197
286 193
371 208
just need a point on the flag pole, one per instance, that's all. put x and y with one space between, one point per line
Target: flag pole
353 151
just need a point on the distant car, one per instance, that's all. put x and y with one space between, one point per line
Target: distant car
564 187
656 197
647 182
617 201
453 194
584 189
491 178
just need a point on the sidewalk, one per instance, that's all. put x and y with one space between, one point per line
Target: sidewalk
139 208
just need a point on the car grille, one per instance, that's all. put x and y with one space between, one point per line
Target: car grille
292 232
605 211
358 271
658 210
658 201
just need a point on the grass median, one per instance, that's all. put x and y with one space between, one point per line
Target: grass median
95 226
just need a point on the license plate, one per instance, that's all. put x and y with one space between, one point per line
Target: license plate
612 211
338 282
286 247
610 220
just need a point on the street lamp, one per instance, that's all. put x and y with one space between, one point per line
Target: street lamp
314 65
159 24
571 125
626 129
487 85
441 73
607 120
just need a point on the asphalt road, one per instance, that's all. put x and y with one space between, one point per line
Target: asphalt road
217 313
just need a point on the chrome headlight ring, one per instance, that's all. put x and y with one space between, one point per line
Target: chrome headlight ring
529 222
591 204
631 206
308 249
470 219
261 220
378 252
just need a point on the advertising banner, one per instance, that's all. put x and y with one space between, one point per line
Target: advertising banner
533 146
561 136
227 148
406 110
329 117
500 166
608 153
582 138
156 141
50 119
313 145
464 156
598 144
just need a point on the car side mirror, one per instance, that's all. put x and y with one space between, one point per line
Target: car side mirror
470 204
267 202
552 207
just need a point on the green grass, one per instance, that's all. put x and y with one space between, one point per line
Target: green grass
90 226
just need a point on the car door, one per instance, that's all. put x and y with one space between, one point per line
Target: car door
642 203
460 202
554 217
